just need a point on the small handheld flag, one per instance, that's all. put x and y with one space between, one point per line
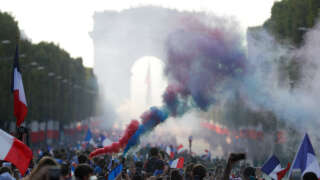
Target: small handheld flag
283 172
170 152
206 155
180 149
88 136
178 163
158 172
89 139
273 168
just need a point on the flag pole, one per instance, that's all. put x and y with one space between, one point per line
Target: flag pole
295 157
190 145
19 130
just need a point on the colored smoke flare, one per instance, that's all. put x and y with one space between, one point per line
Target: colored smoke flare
202 61
244 133
150 119
117 146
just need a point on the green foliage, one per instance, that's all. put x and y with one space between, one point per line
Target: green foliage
69 95
289 21
291 18
8 31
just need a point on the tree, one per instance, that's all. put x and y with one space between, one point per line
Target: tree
57 86
290 19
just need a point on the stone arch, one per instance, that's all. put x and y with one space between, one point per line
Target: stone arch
120 38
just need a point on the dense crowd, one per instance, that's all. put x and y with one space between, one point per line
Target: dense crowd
149 163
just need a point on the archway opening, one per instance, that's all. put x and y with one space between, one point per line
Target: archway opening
147 84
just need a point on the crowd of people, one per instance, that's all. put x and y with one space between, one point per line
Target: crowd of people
151 163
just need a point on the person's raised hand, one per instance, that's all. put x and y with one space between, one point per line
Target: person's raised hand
235 157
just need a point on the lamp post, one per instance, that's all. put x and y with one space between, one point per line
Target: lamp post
9 58
40 68
303 28
51 74
190 144
5 42
33 63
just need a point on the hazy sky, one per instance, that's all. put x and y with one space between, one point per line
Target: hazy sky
67 22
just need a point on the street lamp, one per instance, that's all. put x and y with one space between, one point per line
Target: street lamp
5 41
40 68
303 28
33 63
51 74
59 77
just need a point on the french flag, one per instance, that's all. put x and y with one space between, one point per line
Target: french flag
178 163
20 103
14 151
273 168
306 159
170 152
206 155
89 139
180 149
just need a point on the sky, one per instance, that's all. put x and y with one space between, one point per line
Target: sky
68 22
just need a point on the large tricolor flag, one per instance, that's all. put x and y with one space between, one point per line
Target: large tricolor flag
20 103
273 168
306 159
14 151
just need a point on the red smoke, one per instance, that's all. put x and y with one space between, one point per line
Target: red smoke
244 133
117 146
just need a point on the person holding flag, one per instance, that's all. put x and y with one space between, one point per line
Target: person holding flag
232 160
